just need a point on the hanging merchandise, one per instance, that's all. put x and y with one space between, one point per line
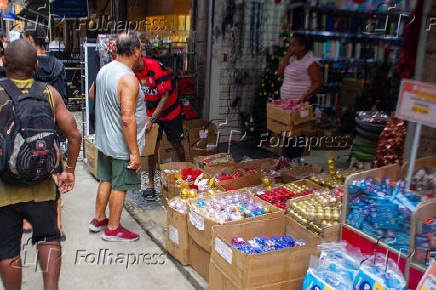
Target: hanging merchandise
390 145
255 27
176 51
227 23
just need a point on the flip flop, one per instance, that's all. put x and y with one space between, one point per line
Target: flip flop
149 194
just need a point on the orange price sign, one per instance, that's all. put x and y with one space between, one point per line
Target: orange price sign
417 102
3 4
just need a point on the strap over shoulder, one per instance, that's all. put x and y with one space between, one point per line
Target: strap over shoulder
11 88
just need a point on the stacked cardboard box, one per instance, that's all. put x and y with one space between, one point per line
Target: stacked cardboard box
295 123
280 269
91 155
168 188
200 233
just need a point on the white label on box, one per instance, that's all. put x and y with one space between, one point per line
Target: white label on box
304 114
196 220
174 235
224 250
203 133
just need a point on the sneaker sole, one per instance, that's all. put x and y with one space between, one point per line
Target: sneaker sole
118 239
95 229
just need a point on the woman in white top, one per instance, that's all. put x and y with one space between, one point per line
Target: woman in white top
301 73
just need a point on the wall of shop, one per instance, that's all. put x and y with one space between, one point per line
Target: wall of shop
428 135
246 64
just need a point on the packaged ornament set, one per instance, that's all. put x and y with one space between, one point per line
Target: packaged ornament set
342 267
319 210
236 206
278 196
382 209
259 245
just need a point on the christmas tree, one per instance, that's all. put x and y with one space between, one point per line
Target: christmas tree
271 81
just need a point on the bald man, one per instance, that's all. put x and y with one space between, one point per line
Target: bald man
37 203
119 137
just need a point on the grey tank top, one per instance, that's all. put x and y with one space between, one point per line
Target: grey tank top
109 137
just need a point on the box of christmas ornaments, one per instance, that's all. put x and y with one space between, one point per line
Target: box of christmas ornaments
287 116
261 254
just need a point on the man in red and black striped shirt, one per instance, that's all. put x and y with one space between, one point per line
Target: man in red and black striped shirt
164 109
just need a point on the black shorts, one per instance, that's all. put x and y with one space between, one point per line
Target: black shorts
41 215
173 129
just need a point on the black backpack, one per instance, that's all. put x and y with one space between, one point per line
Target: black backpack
28 142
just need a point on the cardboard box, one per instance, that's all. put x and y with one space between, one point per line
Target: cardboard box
255 270
289 118
199 258
330 233
91 156
293 174
263 163
212 169
167 153
218 280
200 227
201 136
248 180
177 239
150 141
351 88
291 130
168 186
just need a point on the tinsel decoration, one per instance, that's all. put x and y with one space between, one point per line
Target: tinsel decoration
390 145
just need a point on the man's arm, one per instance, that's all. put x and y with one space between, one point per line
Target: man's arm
314 72
66 123
128 94
163 101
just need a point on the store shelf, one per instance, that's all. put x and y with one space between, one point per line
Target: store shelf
334 9
330 34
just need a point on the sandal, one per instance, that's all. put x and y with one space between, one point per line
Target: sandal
149 194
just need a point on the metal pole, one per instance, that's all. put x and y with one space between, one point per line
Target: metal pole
413 154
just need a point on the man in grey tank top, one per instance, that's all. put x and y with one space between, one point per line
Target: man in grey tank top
119 137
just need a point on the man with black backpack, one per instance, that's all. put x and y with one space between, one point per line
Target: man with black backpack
30 115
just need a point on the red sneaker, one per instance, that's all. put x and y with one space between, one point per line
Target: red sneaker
119 235
96 225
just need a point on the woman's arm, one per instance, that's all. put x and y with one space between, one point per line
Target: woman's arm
314 72
284 62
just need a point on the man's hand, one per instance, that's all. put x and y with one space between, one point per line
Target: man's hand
66 182
148 125
135 162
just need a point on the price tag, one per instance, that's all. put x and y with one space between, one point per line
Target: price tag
204 133
224 250
174 235
304 114
196 220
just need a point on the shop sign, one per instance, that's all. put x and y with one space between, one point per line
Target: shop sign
70 9
417 102
3 4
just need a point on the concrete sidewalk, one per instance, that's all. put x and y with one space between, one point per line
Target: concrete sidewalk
81 267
